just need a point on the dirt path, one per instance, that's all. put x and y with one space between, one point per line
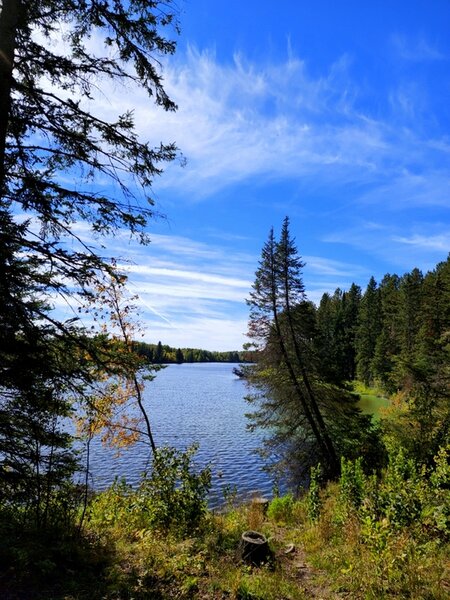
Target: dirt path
293 561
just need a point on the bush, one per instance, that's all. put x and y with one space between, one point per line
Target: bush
352 485
280 509
402 491
174 495
113 506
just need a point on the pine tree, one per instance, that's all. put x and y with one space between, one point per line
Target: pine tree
351 301
159 354
289 267
55 145
271 326
410 316
335 340
369 328
388 343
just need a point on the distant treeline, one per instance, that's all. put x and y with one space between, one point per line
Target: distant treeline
160 353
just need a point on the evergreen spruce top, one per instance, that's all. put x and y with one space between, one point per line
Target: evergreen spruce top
55 140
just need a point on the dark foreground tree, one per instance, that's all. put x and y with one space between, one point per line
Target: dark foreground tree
57 144
35 453
58 147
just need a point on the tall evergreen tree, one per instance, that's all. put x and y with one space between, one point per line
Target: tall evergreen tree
369 328
325 339
265 329
351 306
289 267
56 143
336 331
309 419
410 317
388 343
159 354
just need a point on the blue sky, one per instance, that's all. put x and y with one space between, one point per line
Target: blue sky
334 113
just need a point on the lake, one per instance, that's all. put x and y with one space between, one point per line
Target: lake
195 403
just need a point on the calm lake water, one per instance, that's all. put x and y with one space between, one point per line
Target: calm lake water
202 403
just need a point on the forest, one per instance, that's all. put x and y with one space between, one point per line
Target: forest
369 511
164 354
311 361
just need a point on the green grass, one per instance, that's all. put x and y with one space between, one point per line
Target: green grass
370 538
327 559
372 400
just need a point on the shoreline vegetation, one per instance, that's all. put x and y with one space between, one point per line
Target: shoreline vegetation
363 536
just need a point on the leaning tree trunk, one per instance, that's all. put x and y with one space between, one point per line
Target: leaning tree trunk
298 390
331 452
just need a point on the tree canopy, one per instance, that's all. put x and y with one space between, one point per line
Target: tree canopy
66 165
55 139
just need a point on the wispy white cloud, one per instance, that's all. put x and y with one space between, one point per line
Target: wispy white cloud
416 49
433 242
235 120
202 332
239 120
188 289
320 266
198 276
421 246
243 122
409 189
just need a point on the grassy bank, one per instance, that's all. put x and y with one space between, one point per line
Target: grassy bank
372 400
360 538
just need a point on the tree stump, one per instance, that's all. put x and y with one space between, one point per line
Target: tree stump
254 548
261 504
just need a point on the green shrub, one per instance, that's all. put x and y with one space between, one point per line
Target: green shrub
402 491
280 509
113 506
436 512
174 495
352 484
